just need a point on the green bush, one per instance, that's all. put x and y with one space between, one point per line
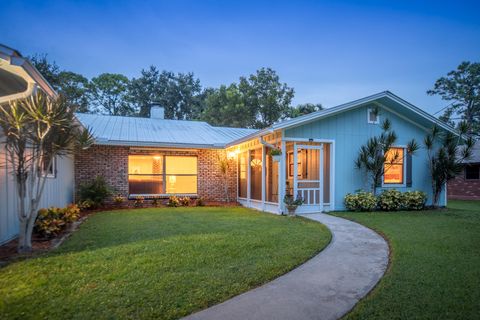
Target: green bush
360 201
86 204
50 222
414 200
185 201
390 200
200 202
173 201
97 191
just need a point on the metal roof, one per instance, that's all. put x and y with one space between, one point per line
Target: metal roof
135 131
475 157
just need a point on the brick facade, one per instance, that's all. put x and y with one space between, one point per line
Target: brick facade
111 162
462 189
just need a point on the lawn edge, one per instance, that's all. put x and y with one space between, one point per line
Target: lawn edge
375 288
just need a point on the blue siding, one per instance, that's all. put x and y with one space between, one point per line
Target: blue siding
350 130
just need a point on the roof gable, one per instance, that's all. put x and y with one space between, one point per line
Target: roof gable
385 99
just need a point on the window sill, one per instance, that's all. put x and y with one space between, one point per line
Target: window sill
162 196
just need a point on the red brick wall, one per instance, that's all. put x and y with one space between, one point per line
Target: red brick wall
462 189
111 162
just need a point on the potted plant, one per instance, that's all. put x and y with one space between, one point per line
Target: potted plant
276 154
292 204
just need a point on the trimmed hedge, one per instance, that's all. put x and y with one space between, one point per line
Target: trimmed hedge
388 200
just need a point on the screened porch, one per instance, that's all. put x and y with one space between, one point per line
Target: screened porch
303 170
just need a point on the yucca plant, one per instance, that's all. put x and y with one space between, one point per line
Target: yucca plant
446 152
36 130
372 158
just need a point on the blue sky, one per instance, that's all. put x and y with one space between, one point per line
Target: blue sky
330 51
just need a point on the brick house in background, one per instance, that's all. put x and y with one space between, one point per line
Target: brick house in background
158 157
466 186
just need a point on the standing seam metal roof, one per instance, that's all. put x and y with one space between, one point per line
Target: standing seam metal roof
134 131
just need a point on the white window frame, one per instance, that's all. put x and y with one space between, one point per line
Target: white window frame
370 110
53 174
398 185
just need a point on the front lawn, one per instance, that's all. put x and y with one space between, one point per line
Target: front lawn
435 264
157 263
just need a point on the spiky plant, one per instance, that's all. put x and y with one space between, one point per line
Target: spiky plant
373 157
36 130
446 152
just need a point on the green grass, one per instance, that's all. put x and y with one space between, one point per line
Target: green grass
157 263
435 264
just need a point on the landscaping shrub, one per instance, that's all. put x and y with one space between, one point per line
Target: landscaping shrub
360 201
200 202
85 204
390 200
118 200
173 201
138 202
50 222
414 200
185 201
97 191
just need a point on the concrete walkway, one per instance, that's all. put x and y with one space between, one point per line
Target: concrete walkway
325 287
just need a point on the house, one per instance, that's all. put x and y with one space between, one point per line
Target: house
154 157
466 186
19 79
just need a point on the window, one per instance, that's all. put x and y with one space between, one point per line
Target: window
49 169
372 116
161 174
242 174
472 172
393 167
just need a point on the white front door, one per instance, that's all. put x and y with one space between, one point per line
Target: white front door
308 179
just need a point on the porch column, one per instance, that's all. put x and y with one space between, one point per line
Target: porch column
282 184
248 179
264 173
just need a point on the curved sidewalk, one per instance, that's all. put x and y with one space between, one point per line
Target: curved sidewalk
325 287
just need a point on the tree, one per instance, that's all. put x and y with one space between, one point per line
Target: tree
303 109
226 107
374 159
180 94
71 85
37 129
264 93
49 70
74 87
224 165
108 94
446 152
462 88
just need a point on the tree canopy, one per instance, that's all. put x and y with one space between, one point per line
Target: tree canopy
462 88
255 101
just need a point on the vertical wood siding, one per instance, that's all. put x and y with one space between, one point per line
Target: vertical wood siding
350 130
58 192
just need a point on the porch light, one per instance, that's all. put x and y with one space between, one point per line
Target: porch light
231 155
157 157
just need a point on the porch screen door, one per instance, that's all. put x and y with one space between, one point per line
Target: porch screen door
308 180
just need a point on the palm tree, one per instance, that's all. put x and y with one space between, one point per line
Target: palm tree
36 130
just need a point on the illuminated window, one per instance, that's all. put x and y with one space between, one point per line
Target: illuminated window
393 167
160 174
